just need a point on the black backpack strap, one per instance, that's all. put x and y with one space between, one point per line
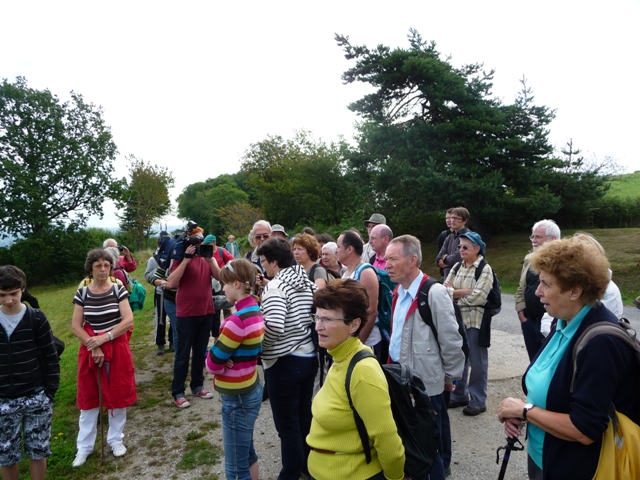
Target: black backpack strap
362 430
622 331
478 271
423 305
312 272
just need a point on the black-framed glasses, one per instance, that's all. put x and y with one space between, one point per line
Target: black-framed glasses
318 319
261 237
453 218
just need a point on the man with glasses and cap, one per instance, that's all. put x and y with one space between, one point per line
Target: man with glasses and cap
367 249
449 254
529 307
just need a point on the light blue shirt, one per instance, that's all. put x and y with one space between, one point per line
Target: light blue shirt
405 298
540 374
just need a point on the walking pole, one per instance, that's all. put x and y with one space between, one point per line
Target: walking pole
100 415
511 445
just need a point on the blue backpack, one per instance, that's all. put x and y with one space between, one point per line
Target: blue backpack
385 297
169 248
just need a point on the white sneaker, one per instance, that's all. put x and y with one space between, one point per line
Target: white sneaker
80 459
119 450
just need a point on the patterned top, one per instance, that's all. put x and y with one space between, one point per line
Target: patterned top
240 340
286 305
101 310
471 306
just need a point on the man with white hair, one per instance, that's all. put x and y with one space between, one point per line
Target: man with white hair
260 233
530 309
126 260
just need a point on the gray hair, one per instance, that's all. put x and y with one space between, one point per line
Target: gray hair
410 247
551 229
105 244
115 255
331 246
259 223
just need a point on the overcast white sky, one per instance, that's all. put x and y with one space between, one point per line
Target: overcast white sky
190 85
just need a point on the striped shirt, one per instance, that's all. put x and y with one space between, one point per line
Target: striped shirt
287 301
101 310
471 306
240 340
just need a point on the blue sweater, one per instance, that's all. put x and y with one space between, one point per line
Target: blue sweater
607 372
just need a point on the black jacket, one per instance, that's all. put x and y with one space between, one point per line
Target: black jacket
28 359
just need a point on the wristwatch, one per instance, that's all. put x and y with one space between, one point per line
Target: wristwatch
111 338
525 410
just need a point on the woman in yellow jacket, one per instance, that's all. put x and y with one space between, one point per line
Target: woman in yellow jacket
336 448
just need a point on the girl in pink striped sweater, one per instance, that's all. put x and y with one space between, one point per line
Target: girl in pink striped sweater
232 360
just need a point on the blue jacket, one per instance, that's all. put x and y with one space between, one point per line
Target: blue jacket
607 372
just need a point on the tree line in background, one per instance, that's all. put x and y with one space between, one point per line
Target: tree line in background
429 136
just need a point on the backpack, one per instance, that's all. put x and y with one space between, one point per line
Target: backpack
137 292
330 276
493 305
385 297
31 317
412 412
169 248
425 313
620 451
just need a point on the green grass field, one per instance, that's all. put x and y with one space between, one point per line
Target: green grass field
625 186
505 253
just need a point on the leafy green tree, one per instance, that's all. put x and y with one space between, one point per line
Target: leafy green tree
56 160
203 201
432 136
301 180
145 199
237 219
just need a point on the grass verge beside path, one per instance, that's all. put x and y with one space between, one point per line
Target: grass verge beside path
505 254
55 302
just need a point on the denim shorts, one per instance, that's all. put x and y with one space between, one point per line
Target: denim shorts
32 415
239 414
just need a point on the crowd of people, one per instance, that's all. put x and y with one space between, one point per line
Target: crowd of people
302 308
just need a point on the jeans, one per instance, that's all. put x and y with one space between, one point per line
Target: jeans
170 309
532 337
193 337
473 386
290 386
239 413
161 320
437 470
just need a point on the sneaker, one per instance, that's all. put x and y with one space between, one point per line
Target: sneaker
80 459
160 350
447 472
203 394
181 402
119 450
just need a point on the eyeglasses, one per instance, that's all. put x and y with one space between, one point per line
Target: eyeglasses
261 237
465 247
318 319
452 218
537 237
